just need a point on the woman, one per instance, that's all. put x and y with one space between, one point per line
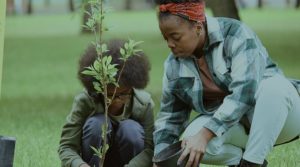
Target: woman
130 122
219 68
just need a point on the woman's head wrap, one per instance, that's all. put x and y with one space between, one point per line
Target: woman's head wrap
193 11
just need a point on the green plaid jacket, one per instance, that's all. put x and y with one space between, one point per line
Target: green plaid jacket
237 61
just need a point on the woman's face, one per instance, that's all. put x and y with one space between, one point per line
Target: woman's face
181 36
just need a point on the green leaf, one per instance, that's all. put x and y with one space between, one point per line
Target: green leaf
88 72
86 27
88 13
96 151
130 43
90 68
90 23
104 48
92 2
104 58
137 43
98 87
99 50
136 51
97 65
122 51
123 59
108 61
111 66
126 45
116 84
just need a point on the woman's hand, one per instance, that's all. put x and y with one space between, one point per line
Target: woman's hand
195 146
84 165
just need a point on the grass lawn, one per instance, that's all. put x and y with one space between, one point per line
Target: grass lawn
40 62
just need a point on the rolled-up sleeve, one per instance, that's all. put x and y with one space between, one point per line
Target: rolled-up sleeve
171 119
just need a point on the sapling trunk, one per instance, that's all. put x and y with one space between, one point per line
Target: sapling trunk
102 70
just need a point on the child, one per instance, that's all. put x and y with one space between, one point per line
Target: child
130 121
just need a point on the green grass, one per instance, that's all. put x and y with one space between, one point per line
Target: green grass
40 62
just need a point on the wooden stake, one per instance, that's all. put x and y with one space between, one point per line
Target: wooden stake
2 30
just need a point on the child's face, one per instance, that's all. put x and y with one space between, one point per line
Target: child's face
122 96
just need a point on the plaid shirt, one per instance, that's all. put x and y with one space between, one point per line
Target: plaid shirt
237 61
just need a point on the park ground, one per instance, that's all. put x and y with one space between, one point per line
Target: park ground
40 61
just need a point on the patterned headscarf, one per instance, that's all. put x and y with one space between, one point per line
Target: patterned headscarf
193 11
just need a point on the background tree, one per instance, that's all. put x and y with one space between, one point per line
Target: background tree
288 2
223 8
47 3
151 3
297 3
71 5
260 4
10 7
128 4
29 8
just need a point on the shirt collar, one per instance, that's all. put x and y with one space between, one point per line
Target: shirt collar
214 31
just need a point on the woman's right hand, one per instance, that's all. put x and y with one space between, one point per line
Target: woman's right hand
154 165
194 147
84 165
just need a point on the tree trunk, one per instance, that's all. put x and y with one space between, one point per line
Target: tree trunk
128 4
47 3
223 8
29 9
260 4
10 7
297 3
71 6
242 3
151 3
